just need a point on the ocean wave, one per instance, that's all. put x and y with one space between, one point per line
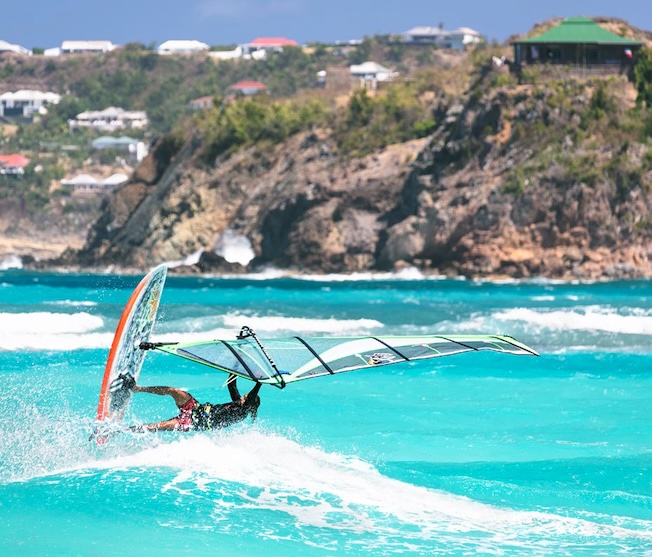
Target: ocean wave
63 331
277 324
11 262
44 322
192 259
271 273
340 492
74 303
407 274
637 322
51 331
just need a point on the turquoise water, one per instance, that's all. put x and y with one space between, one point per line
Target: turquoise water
475 454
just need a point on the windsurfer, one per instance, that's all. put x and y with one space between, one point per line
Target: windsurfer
194 415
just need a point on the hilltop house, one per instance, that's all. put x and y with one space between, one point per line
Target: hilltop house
13 164
15 48
84 47
371 73
110 119
458 39
248 88
182 47
578 42
26 102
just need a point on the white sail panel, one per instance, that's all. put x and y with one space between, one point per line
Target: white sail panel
281 361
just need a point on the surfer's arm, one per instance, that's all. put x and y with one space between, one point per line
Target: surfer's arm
233 388
255 390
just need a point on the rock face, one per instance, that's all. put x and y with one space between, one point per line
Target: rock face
300 207
461 214
472 199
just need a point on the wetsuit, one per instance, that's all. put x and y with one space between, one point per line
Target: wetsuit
216 416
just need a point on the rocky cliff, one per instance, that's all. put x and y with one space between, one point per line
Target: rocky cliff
516 180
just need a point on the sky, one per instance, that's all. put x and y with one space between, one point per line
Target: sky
45 23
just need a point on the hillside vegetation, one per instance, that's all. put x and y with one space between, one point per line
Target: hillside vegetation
518 178
137 78
455 168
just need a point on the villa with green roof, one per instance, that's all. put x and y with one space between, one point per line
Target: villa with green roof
581 43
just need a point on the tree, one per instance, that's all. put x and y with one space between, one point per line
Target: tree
643 78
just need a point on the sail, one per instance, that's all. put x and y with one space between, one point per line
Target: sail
284 360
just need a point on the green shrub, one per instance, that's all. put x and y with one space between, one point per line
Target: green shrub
256 120
391 116
516 182
584 169
643 77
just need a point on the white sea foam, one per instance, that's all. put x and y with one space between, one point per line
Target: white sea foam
301 325
304 486
51 331
234 247
592 318
11 262
46 322
192 259
407 274
73 331
334 491
74 303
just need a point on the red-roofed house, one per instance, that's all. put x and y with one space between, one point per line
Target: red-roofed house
248 88
267 43
272 42
13 164
202 103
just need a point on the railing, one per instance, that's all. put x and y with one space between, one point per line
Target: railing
559 71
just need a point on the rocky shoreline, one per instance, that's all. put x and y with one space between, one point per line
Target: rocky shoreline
478 198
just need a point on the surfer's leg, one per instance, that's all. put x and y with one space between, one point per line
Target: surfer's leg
180 397
167 425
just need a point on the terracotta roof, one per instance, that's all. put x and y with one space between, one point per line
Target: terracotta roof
208 98
248 85
273 41
14 160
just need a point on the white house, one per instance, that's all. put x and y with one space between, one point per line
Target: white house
372 71
85 183
137 149
110 119
115 180
462 37
458 39
423 35
181 47
82 47
227 54
26 101
16 48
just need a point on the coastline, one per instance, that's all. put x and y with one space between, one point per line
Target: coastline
42 254
411 274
